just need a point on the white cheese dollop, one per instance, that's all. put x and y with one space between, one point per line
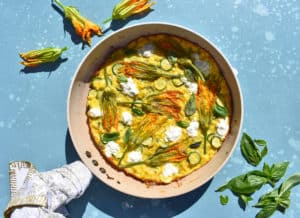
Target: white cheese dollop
223 127
169 170
129 87
202 65
192 129
134 156
146 50
192 87
112 148
127 118
95 112
172 134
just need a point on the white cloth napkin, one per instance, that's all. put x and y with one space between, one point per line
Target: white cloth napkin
44 194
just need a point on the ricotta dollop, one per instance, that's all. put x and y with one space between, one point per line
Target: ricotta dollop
223 127
172 134
129 87
169 170
95 112
192 129
127 118
112 148
146 50
134 156
192 87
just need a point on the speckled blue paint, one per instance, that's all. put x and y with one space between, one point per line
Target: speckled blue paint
260 39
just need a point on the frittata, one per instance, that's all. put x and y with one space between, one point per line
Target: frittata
159 108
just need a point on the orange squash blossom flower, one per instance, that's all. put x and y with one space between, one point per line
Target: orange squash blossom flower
83 27
126 8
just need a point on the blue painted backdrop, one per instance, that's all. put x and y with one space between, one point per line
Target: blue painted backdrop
260 39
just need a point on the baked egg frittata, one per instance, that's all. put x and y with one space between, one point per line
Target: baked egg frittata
159 108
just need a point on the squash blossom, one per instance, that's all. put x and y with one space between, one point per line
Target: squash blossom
83 27
36 57
126 8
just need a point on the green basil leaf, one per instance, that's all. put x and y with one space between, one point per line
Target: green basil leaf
137 111
260 142
288 184
250 151
224 199
267 169
121 78
107 137
267 210
246 199
278 170
244 184
190 107
127 136
183 124
220 111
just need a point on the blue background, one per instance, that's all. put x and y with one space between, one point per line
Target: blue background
260 39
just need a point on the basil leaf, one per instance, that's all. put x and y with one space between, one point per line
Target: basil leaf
182 124
275 172
278 170
279 198
107 137
244 184
260 142
224 199
250 151
137 111
121 78
246 199
220 111
288 184
267 210
127 136
190 107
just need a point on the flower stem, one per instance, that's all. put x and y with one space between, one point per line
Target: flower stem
60 4
107 20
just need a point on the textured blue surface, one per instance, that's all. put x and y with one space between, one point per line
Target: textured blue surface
260 39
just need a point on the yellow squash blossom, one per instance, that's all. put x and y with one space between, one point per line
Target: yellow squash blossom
126 8
36 57
83 27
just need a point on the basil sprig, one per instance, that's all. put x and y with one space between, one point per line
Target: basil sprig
251 151
278 199
246 184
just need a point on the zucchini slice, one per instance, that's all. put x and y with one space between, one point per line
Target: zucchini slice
216 142
177 82
116 68
160 84
165 64
193 158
